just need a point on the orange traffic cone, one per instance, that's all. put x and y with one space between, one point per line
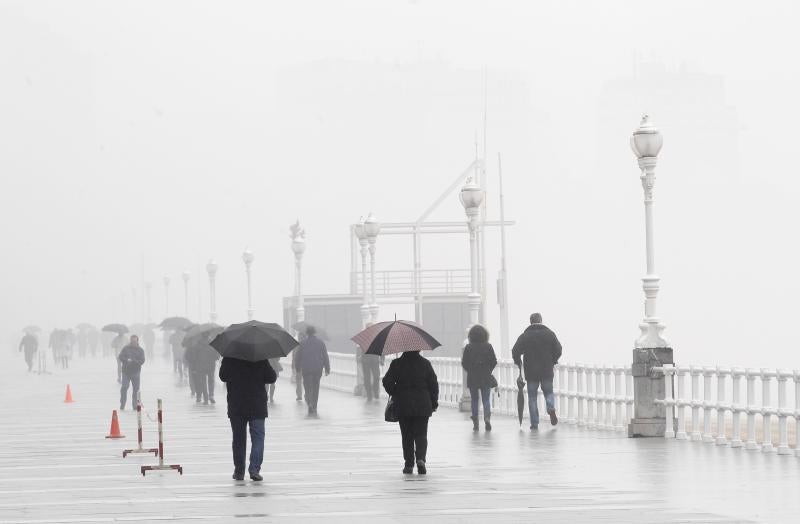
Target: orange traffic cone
68 398
114 433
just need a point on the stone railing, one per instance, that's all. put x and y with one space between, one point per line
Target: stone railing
586 395
723 406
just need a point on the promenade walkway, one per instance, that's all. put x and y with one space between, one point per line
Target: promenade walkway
56 465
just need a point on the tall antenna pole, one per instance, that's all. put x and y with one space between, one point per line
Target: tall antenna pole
484 210
502 281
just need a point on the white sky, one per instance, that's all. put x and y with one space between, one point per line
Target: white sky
187 130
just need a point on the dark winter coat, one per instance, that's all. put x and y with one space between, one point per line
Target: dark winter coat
247 396
312 356
132 358
413 385
538 349
205 357
478 360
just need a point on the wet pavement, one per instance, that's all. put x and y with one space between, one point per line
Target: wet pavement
56 465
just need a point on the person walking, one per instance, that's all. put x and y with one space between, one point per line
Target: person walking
312 359
176 343
131 359
297 376
371 370
247 406
414 388
205 364
479 360
275 363
537 350
29 345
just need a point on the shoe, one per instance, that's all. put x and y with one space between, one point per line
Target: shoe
553 417
534 427
122 408
256 477
487 423
408 470
197 401
238 476
475 425
212 401
205 403
421 470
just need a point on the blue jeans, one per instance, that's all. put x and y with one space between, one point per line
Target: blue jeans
239 429
533 393
486 396
133 379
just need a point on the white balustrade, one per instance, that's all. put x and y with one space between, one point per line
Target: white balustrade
729 414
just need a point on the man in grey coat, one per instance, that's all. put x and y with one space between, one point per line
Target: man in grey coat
537 349
312 359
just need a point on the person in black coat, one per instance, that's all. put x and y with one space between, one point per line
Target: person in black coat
538 350
205 363
247 406
312 360
414 388
130 359
478 361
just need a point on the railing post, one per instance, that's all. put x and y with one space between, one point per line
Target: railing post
766 411
609 409
619 399
669 401
680 402
580 392
695 372
571 389
598 416
750 377
590 396
783 432
796 374
707 404
721 406
736 408
629 395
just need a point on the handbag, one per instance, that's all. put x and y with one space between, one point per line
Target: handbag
389 414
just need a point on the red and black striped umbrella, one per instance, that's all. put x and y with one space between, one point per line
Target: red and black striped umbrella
399 336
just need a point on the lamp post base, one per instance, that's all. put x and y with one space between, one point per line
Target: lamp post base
649 418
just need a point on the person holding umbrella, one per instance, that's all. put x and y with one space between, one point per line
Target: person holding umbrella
410 381
245 350
30 345
537 350
478 361
312 359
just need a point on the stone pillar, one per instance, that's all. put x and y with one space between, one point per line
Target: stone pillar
649 418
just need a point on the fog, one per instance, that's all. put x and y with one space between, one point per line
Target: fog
141 139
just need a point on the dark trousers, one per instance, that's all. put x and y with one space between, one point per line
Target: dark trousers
311 385
239 445
372 374
204 384
29 358
414 431
127 379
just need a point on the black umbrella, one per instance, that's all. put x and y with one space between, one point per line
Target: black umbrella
520 396
254 341
175 323
301 327
201 332
119 329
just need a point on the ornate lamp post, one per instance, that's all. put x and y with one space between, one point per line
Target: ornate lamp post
166 296
211 268
186 276
361 233
651 349
298 248
247 258
471 198
372 228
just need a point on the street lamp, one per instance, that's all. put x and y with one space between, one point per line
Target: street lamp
651 349
298 247
211 268
471 198
372 228
186 276
247 258
361 234
646 143
166 296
